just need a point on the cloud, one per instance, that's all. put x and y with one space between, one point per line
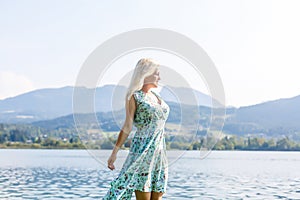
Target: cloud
12 84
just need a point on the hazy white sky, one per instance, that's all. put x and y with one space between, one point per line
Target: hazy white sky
254 44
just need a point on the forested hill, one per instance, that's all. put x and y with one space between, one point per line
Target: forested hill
45 104
52 109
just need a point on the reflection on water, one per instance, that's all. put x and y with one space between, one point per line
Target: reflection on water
69 174
56 183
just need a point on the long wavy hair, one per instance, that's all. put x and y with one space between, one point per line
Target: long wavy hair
145 67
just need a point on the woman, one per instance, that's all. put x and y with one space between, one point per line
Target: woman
145 170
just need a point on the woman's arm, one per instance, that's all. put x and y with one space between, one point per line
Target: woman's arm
130 107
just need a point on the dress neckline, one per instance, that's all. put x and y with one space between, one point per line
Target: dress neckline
159 101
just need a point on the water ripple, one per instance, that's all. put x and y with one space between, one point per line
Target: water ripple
212 178
72 183
52 183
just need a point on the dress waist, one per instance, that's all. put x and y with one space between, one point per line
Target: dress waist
158 124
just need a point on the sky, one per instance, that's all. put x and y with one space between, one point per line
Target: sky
254 44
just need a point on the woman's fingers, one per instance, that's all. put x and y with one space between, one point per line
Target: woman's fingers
111 166
110 163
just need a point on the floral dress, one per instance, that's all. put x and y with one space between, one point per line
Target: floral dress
146 167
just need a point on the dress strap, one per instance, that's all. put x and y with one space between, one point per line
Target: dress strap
138 96
158 96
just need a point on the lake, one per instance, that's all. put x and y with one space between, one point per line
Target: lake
81 174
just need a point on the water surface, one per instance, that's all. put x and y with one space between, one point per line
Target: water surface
75 174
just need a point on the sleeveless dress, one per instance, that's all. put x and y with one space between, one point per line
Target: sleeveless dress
146 167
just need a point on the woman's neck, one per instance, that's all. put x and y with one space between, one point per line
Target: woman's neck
146 88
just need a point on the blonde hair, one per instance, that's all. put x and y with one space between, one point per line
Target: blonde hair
144 68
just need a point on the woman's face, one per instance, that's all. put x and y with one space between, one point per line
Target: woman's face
153 78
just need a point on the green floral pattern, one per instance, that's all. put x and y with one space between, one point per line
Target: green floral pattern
146 166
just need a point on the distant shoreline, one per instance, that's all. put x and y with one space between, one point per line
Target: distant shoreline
83 148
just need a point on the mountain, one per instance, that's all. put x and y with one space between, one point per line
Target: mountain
38 104
187 96
53 107
280 116
274 119
184 115
50 103
45 104
270 119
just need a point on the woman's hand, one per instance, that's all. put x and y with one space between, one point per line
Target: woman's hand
111 160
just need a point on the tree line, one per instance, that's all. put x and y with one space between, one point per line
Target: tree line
26 136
